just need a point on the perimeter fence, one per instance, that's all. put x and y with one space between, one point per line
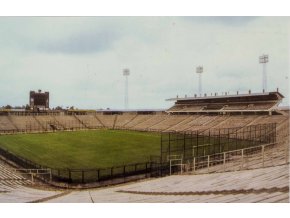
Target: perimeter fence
197 150
197 145
125 172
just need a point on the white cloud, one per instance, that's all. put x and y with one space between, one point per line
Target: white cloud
161 52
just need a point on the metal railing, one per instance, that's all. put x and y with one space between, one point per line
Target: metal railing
32 172
248 158
125 172
199 144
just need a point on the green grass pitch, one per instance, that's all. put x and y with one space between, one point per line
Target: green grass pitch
84 149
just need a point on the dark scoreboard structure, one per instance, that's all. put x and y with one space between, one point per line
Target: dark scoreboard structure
39 100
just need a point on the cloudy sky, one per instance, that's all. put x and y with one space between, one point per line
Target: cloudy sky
79 60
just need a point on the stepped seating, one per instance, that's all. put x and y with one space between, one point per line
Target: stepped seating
90 121
189 123
212 123
10 179
246 106
260 106
201 120
180 126
192 108
14 188
68 121
122 120
258 185
199 123
167 123
23 194
24 123
138 120
235 107
251 158
146 125
186 108
272 119
197 128
107 120
5 124
280 120
236 121
45 120
213 107
216 121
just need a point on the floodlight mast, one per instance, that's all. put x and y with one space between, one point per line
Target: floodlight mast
199 71
263 60
126 73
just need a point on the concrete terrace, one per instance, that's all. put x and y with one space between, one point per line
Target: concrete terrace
258 185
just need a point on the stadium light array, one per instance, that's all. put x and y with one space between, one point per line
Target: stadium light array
263 60
126 73
199 71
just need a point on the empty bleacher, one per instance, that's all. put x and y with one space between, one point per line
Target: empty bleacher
199 123
235 107
107 120
182 125
24 123
271 119
226 107
236 121
258 185
213 107
10 179
169 122
68 121
260 106
124 119
146 125
45 121
251 103
186 108
14 188
250 106
138 120
159 122
5 124
90 121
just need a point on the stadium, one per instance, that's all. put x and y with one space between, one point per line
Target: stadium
199 140
202 125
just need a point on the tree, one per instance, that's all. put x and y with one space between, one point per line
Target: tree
27 107
58 108
8 107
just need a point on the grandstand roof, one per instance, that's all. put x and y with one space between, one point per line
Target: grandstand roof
250 103
275 95
130 110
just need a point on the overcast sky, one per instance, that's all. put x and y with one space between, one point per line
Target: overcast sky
79 60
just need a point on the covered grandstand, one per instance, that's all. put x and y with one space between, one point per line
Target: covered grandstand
266 102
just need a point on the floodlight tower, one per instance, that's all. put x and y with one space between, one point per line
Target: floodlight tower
263 60
199 71
126 73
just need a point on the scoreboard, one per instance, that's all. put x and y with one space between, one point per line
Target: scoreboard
39 100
